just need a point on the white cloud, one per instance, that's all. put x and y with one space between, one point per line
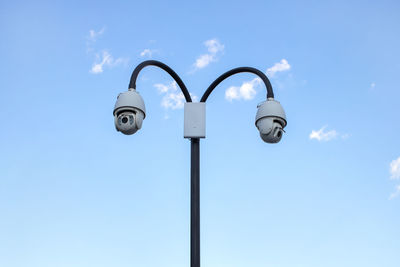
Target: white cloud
395 169
173 98
162 88
203 60
395 175
322 135
147 52
173 101
105 59
372 86
396 193
214 48
283 65
93 35
345 136
246 91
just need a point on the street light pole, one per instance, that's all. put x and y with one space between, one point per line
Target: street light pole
129 113
195 202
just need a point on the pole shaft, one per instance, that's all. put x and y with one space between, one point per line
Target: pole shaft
195 203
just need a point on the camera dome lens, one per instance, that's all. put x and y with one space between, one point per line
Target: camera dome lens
124 120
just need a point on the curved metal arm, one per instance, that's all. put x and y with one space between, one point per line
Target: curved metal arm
135 73
227 74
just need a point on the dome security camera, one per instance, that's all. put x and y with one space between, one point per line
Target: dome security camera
270 120
129 112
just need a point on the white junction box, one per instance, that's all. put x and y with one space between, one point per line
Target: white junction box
194 120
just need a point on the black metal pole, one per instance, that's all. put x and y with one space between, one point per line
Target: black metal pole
195 203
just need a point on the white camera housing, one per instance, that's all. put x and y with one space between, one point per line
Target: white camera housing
129 112
270 120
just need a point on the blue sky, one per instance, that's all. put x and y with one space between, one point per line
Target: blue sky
74 192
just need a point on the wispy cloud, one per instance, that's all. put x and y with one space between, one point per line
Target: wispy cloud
105 59
246 91
395 169
324 135
283 65
396 192
102 58
173 98
214 48
92 37
147 52
372 86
